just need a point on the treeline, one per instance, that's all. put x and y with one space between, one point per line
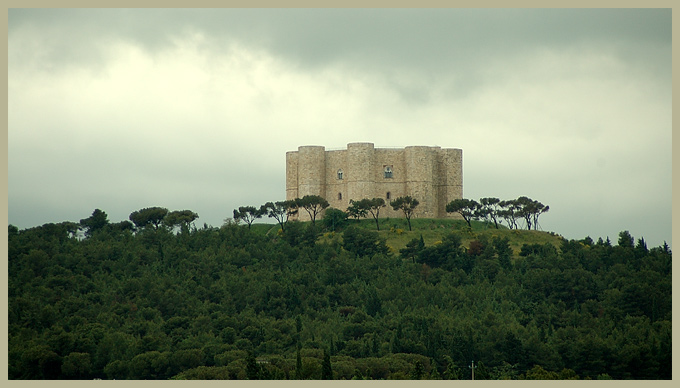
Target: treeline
494 210
314 205
158 298
489 209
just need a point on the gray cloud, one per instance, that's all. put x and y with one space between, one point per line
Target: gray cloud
123 109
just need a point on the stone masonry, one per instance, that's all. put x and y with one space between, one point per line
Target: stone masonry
432 175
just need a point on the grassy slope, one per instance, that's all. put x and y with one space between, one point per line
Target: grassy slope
395 232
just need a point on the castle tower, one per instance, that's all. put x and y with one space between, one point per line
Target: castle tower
310 164
291 175
451 178
421 172
359 168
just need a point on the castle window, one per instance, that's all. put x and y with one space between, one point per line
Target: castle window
340 174
339 196
388 171
388 195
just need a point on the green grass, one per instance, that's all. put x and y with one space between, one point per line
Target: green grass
396 234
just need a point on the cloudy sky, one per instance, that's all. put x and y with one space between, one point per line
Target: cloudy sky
195 109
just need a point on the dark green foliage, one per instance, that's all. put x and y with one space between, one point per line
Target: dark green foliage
148 216
413 249
181 218
229 303
356 210
373 303
625 239
97 221
334 219
298 365
252 370
449 255
326 370
361 242
418 371
300 234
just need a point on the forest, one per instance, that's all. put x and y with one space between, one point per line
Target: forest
332 300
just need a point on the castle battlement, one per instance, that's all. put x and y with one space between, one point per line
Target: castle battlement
432 175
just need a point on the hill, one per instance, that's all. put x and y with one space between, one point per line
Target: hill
338 301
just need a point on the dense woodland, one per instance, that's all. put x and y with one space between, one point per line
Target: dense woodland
331 301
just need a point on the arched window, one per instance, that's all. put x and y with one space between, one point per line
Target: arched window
388 195
388 171
340 174
339 196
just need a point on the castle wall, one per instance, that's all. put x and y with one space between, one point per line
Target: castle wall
395 186
359 168
432 175
336 189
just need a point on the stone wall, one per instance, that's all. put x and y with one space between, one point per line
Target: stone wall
432 175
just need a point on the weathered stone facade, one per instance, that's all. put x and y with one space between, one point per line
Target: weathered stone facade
432 175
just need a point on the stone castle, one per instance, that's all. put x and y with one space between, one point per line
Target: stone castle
432 175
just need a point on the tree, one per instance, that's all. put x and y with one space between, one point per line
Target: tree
247 214
538 210
465 207
625 239
489 207
530 209
149 216
313 204
280 211
371 206
510 212
538 373
452 371
418 371
334 219
326 370
298 364
525 209
71 228
413 248
97 221
363 242
40 362
355 210
181 218
76 366
373 303
252 370
407 205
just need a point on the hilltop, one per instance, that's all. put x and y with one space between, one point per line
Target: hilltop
396 234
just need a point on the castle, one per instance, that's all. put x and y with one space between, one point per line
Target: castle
432 175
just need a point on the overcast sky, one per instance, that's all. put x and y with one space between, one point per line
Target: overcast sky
195 109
